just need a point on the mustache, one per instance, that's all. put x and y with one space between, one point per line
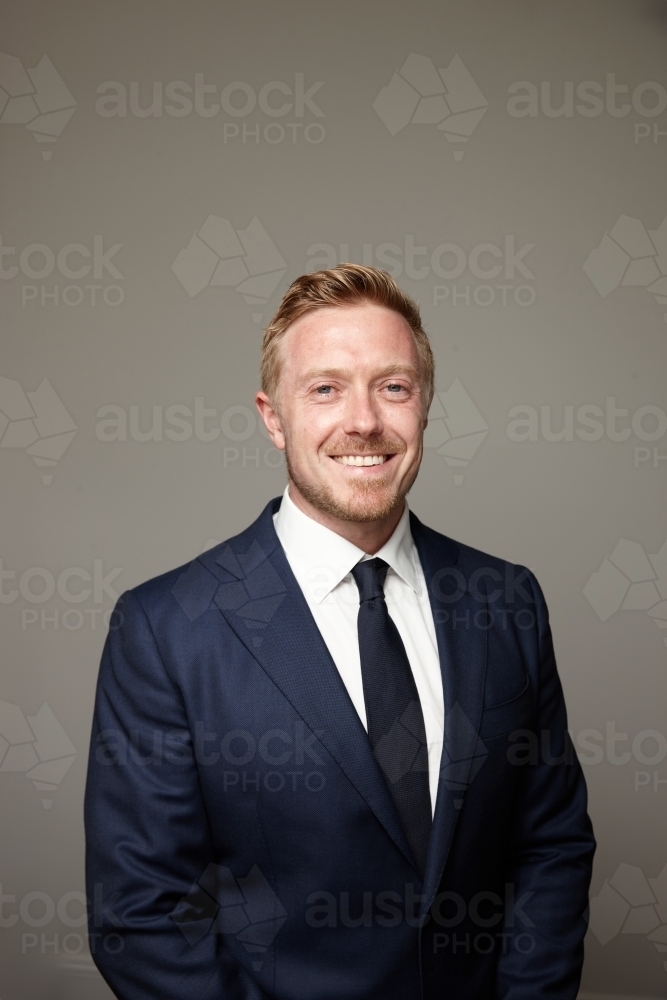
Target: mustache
356 446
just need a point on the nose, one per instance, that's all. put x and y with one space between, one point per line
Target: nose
362 415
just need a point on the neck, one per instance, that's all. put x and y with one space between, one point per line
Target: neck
369 536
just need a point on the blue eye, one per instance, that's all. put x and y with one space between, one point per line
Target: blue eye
324 389
395 387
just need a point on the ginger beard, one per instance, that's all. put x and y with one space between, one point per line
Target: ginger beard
362 500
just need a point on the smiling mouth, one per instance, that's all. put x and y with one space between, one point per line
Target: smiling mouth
359 460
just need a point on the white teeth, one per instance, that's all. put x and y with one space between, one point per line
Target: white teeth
360 459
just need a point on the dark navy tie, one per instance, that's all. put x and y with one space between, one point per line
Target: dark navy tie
393 710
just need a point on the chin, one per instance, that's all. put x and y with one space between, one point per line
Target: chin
362 502
368 502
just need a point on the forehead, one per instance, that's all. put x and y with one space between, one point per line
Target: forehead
362 335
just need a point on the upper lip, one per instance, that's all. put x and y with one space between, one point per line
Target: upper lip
366 458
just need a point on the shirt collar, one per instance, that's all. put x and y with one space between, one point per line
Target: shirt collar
321 559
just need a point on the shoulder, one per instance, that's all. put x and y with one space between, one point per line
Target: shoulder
450 550
488 577
191 587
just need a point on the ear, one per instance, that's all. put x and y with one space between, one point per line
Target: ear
271 418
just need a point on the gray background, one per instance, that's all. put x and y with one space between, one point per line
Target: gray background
149 184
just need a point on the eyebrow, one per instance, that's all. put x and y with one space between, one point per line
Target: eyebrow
347 373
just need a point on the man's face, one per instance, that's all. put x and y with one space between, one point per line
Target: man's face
350 412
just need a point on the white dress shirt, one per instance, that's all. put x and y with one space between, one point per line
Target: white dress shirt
322 562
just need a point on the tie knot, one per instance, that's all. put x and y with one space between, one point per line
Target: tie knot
369 576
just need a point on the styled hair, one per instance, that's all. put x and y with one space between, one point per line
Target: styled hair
343 285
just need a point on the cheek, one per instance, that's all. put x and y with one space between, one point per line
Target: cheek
319 422
311 429
407 424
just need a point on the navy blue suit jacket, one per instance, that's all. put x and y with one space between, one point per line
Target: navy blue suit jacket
241 838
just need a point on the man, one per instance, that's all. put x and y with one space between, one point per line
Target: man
330 757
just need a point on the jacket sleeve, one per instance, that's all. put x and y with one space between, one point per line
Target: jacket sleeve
553 845
147 835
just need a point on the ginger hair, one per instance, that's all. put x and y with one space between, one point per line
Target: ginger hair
343 285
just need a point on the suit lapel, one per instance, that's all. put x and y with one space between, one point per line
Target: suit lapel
462 646
263 603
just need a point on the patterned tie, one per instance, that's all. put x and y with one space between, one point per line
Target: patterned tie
393 710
